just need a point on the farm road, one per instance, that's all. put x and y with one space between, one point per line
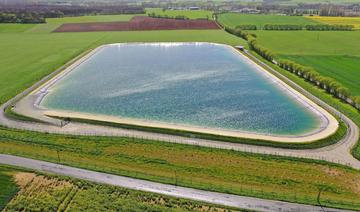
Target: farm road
243 202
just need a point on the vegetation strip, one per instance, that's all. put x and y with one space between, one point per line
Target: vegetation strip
215 198
226 171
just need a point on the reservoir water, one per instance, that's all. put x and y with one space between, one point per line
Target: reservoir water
191 84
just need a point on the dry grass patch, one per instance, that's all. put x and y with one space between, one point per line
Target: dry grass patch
45 193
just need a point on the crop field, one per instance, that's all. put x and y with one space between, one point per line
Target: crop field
8 187
204 168
139 23
50 193
235 19
355 21
192 14
53 23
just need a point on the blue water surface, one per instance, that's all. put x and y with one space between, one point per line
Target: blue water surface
199 84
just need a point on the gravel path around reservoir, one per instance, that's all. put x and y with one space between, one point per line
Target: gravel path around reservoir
242 202
30 106
338 153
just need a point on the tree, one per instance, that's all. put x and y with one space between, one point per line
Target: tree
342 92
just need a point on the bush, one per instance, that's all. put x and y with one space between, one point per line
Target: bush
282 27
24 18
246 27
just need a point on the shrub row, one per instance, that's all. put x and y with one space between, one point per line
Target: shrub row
327 27
24 18
263 52
282 27
240 33
246 27
178 17
328 84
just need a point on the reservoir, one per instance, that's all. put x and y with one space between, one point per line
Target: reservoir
204 85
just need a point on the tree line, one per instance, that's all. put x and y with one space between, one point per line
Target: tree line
313 27
246 27
282 27
178 17
288 27
60 10
24 18
328 84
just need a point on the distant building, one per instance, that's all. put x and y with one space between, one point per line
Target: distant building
194 8
249 11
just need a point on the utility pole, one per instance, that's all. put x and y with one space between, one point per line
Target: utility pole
318 197
57 151
176 180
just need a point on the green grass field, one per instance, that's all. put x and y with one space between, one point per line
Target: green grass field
235 19
227 171
345 69
334 54
8 187
192 14
310 42
15 28
28 56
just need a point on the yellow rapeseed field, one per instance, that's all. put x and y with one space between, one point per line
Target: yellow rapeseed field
355 21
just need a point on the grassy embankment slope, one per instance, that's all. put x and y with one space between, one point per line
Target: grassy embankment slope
334 54
36 52
54 193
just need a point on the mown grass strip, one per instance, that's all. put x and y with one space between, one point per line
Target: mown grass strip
338 135
264 176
